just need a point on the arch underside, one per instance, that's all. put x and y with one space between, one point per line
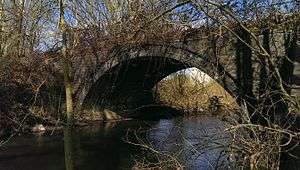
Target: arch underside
127 81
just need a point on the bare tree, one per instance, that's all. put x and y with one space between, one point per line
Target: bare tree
66 64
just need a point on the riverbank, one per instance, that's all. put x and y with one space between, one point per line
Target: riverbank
22 119
27 119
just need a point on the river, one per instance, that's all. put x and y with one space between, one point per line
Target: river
197 142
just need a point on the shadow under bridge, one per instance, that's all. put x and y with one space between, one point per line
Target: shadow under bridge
129 85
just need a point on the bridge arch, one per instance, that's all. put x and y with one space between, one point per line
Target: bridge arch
146 66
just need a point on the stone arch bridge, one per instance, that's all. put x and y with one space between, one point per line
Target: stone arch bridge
130 72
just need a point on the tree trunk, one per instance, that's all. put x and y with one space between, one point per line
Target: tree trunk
21 29
238 71
19 14
2 45
66 66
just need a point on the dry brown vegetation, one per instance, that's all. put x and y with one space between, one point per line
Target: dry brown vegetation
31 74
192 96
30 44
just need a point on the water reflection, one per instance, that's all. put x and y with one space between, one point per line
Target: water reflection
199 142
69 148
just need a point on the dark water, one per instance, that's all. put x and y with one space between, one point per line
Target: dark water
197 142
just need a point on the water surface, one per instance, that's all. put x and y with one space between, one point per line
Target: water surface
198 142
